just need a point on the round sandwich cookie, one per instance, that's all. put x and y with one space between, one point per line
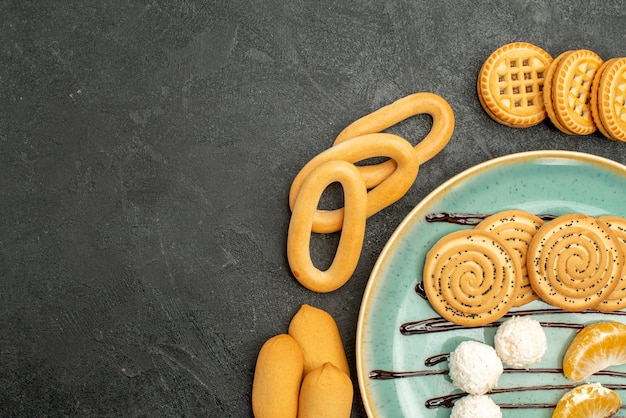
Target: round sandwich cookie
547 94
567 92
471 277
617 299
574 262
608 104
510 84
593 103
517 228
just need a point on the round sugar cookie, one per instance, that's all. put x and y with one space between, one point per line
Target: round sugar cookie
617 299
610 107
574 262
510 84
471 277
570 88
517 228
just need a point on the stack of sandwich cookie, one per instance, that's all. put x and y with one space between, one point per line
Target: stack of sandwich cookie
568 89
520 85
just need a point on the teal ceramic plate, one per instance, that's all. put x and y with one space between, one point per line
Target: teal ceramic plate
553 182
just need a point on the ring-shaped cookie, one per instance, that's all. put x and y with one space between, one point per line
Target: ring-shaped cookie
617 299
357 149
387 116
517 228
471 277
574 262
353 231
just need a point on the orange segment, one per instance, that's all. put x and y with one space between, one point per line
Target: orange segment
590 400
594 348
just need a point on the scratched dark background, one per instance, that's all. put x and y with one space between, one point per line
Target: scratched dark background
146 153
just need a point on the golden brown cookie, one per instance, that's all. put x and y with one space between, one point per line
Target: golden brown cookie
517 228
567 93
361 148
574 262
510 84
352 226
610 105
277 378
317 333
593 103
471 277
617 299
547 93
326 392
378 121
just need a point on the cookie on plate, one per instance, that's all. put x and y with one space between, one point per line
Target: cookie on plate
510 84
574 262
617 299
471 277
517 228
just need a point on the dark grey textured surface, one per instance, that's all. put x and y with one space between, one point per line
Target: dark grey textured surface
147 149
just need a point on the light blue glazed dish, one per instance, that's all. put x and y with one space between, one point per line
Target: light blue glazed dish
554 182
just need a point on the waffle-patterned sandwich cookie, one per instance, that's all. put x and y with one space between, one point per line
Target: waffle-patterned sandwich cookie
608 104
617 299
574 262
517 228
510 84
471 277
567 91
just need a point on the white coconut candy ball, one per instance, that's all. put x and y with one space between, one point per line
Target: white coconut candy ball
475 367
520 342
476 406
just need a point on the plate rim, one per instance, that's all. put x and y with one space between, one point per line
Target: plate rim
487 164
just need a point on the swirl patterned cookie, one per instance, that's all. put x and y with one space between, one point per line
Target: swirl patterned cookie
617 299
471 277
574 262
517 228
